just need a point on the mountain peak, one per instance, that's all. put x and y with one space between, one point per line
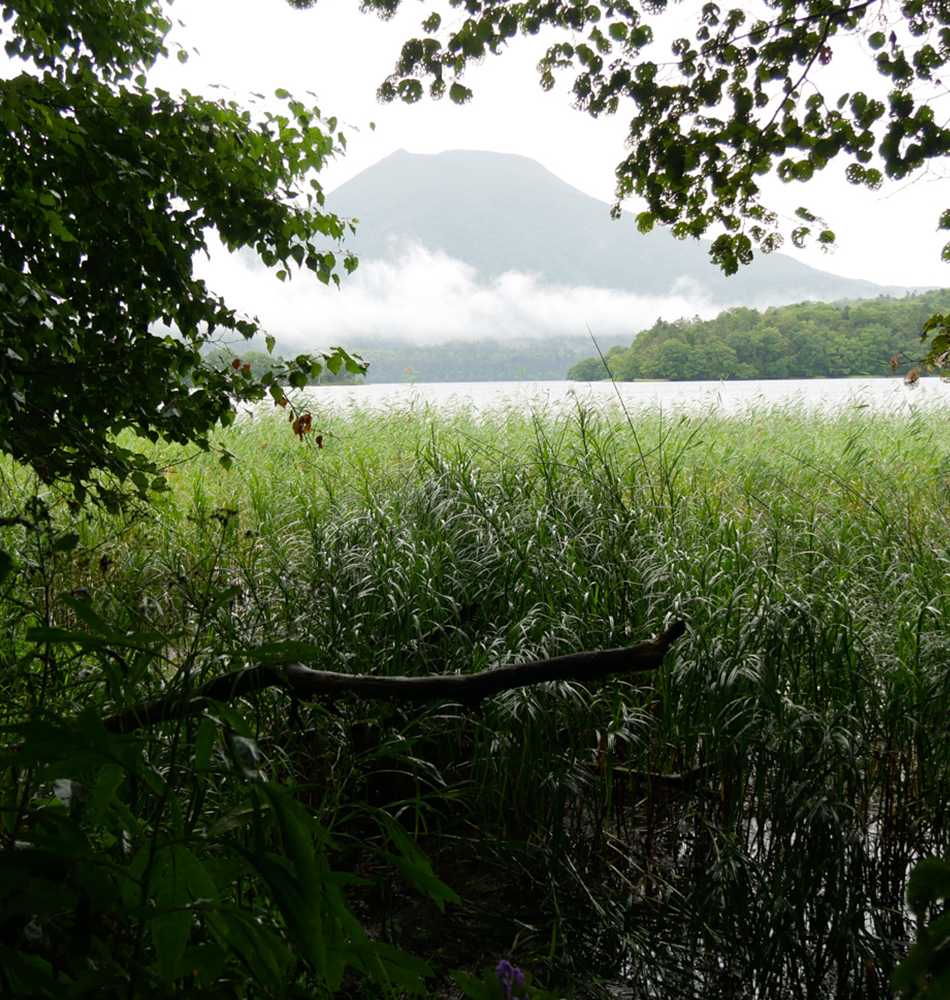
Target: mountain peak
502 212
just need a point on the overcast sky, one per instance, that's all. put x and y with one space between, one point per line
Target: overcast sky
341 55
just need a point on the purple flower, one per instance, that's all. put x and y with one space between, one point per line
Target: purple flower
510 976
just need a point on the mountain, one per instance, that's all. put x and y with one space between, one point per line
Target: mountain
498 212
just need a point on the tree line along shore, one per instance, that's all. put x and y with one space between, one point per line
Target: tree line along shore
808 340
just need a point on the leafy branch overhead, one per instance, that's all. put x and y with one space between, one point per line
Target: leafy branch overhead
110 189
748 95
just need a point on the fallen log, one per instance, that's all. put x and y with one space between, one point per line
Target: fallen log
672 781
468 690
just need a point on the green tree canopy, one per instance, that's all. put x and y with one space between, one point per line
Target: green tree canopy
108 189
809 340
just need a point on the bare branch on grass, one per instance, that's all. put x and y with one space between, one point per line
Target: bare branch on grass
469 690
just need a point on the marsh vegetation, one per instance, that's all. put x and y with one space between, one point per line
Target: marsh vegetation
740 823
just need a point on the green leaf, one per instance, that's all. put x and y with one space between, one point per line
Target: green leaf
928 883
239 816
106 636
252 942
300 912
415 866
204 744
487 988
82 609
384 963
66 543
108 780
170 933
247 756
230 717
29 975
180 881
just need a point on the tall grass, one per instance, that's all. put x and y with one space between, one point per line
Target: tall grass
741 823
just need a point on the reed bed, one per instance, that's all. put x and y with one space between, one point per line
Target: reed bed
740 824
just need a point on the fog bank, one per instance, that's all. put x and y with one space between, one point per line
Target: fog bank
426 297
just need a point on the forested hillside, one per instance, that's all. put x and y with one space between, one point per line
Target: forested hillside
808 340
473 361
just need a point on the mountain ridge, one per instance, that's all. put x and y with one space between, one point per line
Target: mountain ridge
501 212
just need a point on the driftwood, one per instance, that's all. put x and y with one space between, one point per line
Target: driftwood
673 782
466 689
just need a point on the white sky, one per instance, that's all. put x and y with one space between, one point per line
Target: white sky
341 55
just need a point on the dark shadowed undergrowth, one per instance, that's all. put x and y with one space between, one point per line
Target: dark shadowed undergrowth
740 824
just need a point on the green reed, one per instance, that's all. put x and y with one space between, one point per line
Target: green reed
739 824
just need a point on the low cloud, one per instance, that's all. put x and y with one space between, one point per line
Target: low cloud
423 297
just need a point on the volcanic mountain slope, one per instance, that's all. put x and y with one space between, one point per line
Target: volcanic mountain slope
498 212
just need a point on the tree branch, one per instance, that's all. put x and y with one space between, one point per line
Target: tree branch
466 689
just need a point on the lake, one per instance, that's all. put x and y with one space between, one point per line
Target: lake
886 395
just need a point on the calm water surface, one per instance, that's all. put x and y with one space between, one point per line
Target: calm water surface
883 395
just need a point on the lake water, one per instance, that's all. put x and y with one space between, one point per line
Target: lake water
884 395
